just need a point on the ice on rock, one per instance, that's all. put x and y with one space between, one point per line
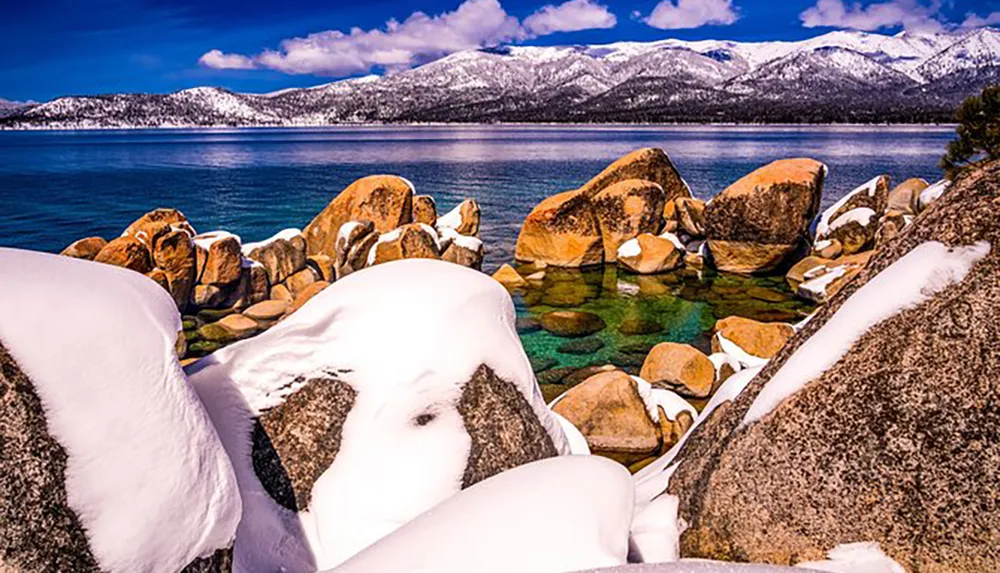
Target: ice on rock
405 336
145 472
561 514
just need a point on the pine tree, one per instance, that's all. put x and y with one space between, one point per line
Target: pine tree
978 133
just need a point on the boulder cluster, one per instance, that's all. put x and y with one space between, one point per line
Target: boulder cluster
228 290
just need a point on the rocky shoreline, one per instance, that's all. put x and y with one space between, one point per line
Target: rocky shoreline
362 380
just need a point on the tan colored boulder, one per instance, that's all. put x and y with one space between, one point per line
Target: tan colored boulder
281 258
561 231
758 221
854 219
509 278
679 367
611 415
300 281
691 215
267 310
905 197
259 287
306 295
174 253
890 225
424 210
238 325
626 209
157 222
673 430
760 339
85 249
413 241
465 251
572 323
463 219
823 282
126 252
223 260
385 200
649 254
647 164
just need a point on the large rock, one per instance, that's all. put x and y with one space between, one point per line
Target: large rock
757 222
647 164
679 367
760 339
463 219
413 241
462 250
85 249
127 252
572 323
223 258
690 216
626 209
355 241
611 414
280 256
822 281
424 210
174 254
360 382
563 230
158 222
385 200
854 219
877 421
509 278
105 444
648 254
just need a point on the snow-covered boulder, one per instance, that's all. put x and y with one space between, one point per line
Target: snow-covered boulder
109 460
385 200
282 255
932 194
649 254
461 249
854 219
355 241
424 210
411 241
563 514
463 219
384 395
875 422
760 220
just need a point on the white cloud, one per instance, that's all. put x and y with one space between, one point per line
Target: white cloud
570 16
909 14
976 21
216 59
418 39
687 14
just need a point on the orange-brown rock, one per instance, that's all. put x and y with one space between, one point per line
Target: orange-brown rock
301 280
281 292
354 242
463 219
823 282
174 253
828 249
281 258
126 252
905 198
679 367
266 311
385 200
854 219
761 339
224 261
323 265
85 249
159 277
465 251
764 217
508 277
609 412
647 164
157 222
797 274
562 231
624 210
413 241
671 224
649 254
691 215
424 210
890 225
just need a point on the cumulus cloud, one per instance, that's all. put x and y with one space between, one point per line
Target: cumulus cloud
976 21
570 16
687 14
909 14
418 39
220 61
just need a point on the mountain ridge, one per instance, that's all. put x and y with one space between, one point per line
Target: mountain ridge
839 77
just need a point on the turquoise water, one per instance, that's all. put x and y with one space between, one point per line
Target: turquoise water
56 187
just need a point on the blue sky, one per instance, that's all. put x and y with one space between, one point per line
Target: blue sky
68 47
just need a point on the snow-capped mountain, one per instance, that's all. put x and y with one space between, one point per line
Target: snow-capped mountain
839 76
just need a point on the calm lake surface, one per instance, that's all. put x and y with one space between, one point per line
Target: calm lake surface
56 187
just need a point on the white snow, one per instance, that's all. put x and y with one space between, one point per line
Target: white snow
383 238
672 403
146 472
560 514
913 279
451 220
449 235
815 288
286 234
656 531
820 245
855 558
720 359
205 240
629 248
932 194
861 215
345 230
406 336
645 391
823 227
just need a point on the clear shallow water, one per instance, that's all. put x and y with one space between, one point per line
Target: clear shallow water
56 187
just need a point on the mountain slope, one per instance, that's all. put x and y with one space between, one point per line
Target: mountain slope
836 77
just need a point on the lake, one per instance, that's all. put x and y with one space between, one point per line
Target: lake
56 187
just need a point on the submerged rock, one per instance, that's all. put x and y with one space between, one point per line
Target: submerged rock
876 422
508 277
758 221
572 323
